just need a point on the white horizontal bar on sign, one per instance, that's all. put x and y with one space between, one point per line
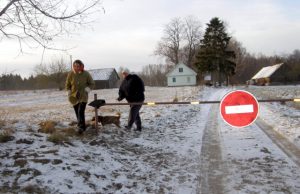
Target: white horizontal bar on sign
248 108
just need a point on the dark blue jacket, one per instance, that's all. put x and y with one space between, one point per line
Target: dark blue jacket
132 89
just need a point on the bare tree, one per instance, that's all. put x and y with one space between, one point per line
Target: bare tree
55 71
155 75
240 57
180 40
41 21
193 35
170 43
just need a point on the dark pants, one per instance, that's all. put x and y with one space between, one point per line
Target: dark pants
134 116
79 111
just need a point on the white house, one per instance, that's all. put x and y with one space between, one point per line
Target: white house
181 75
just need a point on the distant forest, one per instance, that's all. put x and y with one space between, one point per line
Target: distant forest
248 65
48 76
16 82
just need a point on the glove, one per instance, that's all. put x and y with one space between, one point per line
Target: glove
69 92
87 89
119 99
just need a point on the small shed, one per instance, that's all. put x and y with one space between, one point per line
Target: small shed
105 78
275 74
181 75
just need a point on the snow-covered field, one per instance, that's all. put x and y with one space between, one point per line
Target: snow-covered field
175 152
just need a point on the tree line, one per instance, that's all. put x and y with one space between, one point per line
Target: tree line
250 64
16 82
53 75
47 76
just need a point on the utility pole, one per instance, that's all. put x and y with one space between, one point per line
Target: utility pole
71 61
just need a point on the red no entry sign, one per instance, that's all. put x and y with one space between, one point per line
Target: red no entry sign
239 108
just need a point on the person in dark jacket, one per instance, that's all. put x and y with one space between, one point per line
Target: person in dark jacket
78 84
132 89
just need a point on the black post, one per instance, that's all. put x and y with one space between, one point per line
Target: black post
96 113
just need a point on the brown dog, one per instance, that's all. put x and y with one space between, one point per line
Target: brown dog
104 120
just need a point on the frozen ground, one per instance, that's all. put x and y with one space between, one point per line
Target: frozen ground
182 148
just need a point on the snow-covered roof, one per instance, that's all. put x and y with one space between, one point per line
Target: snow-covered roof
267 71
101 74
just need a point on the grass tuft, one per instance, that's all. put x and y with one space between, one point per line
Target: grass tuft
2 123
3 116
47 127
70 131
6 135
175 99
57 138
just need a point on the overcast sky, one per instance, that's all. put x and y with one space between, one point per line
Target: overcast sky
127 33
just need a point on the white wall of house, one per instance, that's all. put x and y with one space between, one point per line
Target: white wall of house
181 75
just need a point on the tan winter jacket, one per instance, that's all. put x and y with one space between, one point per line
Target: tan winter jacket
76 85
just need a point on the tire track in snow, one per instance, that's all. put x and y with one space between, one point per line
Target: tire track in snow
282 142
212 168
256 164
245 160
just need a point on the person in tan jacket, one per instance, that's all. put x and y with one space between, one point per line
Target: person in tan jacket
78 84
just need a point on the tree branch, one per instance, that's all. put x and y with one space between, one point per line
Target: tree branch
7 6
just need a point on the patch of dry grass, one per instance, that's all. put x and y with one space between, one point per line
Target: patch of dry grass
2 123
175 98
70 131
6 135
50 127
296 105
42 161
3 116
57 138
47 127
33 189
57 135
20 162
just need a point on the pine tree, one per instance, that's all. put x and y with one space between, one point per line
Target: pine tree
213 55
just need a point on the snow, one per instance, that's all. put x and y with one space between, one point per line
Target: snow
255 166
166 157
283 118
